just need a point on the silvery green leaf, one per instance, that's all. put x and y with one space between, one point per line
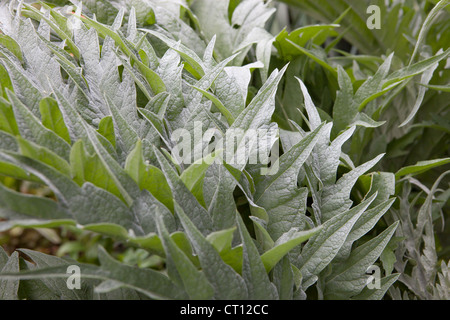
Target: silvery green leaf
182 269
144 208
8 142
227 283
320 250
23 87
94 202
31 128
283 279
56 285
255 116
53 271
15 205
9 288
3 257
253 270
63 187
127 187
377 294
218 187
181 194
284 244
349 277
335 198
278 193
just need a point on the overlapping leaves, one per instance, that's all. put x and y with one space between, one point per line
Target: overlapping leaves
96 126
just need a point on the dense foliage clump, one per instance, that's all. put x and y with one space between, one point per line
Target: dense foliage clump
232 149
